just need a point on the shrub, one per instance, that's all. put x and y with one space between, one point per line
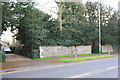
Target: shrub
2 56
12 49
35 53
18 51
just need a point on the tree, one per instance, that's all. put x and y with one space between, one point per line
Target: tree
11 14
0 18
72 19
32 29
110 32
29 22
92 15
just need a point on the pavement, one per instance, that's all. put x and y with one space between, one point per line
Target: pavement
100 68
15 57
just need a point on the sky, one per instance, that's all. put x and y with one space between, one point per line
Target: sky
50 7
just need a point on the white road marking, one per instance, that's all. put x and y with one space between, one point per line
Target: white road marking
93 72
112 67
80 75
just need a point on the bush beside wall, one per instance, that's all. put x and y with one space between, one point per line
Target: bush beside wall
35 54
2 56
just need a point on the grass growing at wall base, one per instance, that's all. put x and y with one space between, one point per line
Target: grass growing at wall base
63 56
86 58
110 52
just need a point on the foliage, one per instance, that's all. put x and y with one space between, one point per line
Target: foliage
108 23
12 48
110 32
11 14
79 25
19 51
29 22
0 18
73 20
35 53
32 32
2 56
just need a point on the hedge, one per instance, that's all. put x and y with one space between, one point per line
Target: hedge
35 54
2 56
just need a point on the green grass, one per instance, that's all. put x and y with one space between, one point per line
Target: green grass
86 58
63 56
110 52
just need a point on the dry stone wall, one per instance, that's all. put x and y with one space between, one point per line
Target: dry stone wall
107 48
50 51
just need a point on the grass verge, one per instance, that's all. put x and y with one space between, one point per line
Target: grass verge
86 58
110 52
63 56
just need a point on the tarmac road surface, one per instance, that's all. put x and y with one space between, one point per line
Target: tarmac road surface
100 68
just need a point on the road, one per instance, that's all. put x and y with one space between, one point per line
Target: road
100 68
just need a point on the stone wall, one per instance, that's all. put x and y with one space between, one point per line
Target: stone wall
50 51
107 48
